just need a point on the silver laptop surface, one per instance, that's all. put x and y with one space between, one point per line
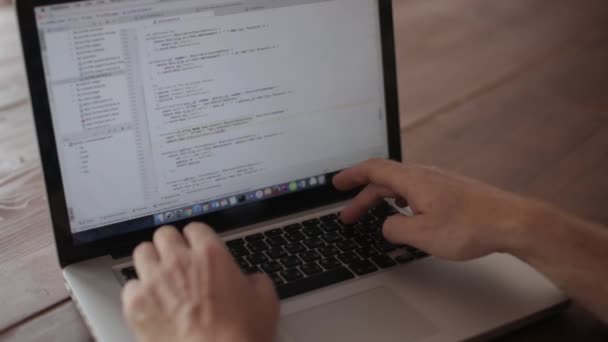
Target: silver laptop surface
238 113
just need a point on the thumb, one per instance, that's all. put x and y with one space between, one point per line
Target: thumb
409 230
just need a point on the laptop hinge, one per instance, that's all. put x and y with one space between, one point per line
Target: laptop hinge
120 252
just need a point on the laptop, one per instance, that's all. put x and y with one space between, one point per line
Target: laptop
238 114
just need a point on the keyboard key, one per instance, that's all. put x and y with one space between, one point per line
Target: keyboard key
235 243
315 282
129 273
312 231
421 254
276 279
332 237
405 257
271 267
329 227
276 253
371 214
364 228
368 219
309 256
416 252
291 274
383 211
242 263
364 241
378 236
256 259
276 241
257 246
385 246
295 248
366 252
274 232
311 269
293 228
349 231
294 236
238 251
254 237
251 270
383 261
291 261
329 218
376 227
363 267
328 251
312 222
346 245
314 243
349 258
330 263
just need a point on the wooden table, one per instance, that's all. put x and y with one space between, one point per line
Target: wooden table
514 93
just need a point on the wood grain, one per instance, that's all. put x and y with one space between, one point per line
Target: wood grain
29 275
450 51
543 134
61 324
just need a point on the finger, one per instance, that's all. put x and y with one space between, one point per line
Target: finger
129 295
211 259
368 198
385 173
170 244
138 305
146 260
218 272
410 230
200 235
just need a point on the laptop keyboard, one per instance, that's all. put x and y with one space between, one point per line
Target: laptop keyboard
319 252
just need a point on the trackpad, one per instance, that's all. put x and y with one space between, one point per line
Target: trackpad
376 315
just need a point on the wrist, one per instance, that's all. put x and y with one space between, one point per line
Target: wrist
528 224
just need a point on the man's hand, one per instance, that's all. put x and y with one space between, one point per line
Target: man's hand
460 219
190 289
455 218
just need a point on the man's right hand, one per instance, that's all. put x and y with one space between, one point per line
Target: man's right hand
455 218
460 219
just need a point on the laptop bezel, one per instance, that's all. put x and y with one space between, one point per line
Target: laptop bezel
69 253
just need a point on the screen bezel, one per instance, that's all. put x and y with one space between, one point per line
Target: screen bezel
69 252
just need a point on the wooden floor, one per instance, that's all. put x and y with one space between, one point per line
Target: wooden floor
514 93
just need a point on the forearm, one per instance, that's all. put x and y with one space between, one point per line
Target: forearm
573 253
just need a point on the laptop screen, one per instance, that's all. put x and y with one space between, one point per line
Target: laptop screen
164 110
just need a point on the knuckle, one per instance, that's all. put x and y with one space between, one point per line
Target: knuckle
168 274
429 171
163 232
135 300
376 163
212 249
142 249
195 226
172 264
388 230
